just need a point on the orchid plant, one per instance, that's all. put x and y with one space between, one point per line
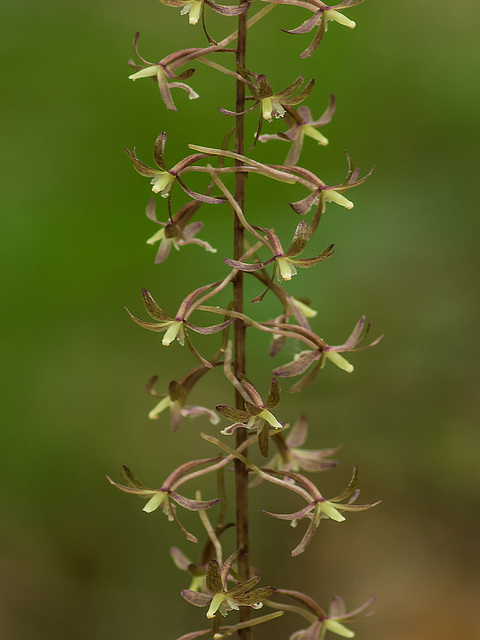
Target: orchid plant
250 424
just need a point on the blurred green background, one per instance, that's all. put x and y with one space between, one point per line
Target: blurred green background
81 560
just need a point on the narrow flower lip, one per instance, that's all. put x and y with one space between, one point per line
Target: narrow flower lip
271 419
159 407
311 132
333 196
337 627
340 18
331 512
340 361
146 72
155 501
217 600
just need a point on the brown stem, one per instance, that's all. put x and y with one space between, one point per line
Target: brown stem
241 471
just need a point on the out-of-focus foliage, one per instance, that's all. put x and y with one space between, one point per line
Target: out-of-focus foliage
79 560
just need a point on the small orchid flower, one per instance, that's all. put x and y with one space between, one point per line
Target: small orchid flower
223 599
321 353
194 8
285 261
319 507
176 232
302 124
322 14
165 77
322 193
323 622
291 458
162 179
176 328
166 494
272 105
257 414
176 397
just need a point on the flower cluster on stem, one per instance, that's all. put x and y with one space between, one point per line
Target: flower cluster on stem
220 586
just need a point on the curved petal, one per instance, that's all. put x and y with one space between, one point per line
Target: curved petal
227 10
141 167
298 433
308 379
196 598
298 366
209 330
308 25
299 241
244 266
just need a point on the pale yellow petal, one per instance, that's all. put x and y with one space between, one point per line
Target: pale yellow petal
340 18
340 361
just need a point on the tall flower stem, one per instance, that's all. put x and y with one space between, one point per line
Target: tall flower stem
241 472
